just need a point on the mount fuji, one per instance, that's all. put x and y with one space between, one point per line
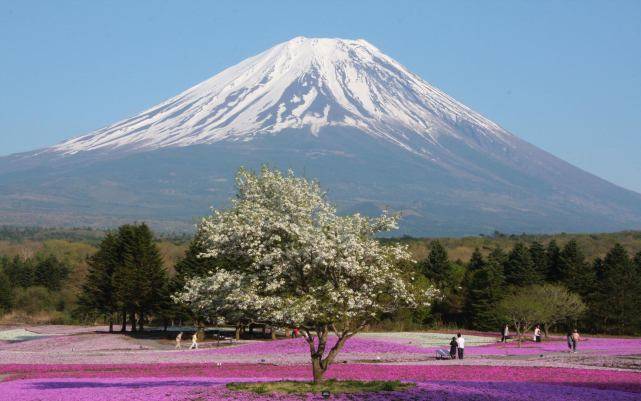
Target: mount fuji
376 136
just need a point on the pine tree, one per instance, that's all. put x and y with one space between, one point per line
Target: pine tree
437 267
20 272
98 293
519 268
6 293
50 273
485 291
539 258
618 300
575 273
498 256
192 265
476 261
637 262
151 276
126 278
553 255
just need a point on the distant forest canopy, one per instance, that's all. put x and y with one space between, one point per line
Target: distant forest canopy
43 275
16 240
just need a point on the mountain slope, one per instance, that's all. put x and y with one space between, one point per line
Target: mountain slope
302 83
376 135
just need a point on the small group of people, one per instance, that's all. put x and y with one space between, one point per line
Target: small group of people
194 341
573 338
505 333
457 348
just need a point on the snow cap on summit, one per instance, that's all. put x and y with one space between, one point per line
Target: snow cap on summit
304 83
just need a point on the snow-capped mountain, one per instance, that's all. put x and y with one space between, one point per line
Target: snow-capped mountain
302 83
375 135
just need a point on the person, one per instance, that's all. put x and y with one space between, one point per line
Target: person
194 341
295 332
568 338
179 339
453 348
505 332
537 334
575 339
460 342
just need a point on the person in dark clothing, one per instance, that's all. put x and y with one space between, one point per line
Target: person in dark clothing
453 347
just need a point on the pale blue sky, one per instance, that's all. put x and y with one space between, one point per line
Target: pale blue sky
564 75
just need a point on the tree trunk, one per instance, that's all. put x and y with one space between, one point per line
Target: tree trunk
165 322
237 333
141 322
273 331
317 370
133 322
320 364
200 333
124 322
111 323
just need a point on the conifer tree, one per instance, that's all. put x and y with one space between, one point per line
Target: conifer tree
192 265
20 272
553 255
519 268
437 267
98 295
50 273
150 274
440 272
476 261
637 262
485 291
539 258
6 293
575 273
619 293
125 278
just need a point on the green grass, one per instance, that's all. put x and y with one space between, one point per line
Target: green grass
333 386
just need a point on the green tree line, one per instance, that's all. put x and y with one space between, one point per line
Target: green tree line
474 293
127 284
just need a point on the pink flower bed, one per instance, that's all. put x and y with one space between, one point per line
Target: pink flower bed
601 346
70 343
298 346
607 379
189 389
206 383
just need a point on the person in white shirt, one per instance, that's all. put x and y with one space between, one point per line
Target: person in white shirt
505 333
537 334
460 341
179 339
194 342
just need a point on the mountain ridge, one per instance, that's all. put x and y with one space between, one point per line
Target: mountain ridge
376 136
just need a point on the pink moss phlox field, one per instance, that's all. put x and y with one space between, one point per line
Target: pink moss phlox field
604 379
70 343
299 346
434 383
602 346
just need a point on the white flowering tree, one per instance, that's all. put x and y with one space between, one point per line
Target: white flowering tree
291 261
